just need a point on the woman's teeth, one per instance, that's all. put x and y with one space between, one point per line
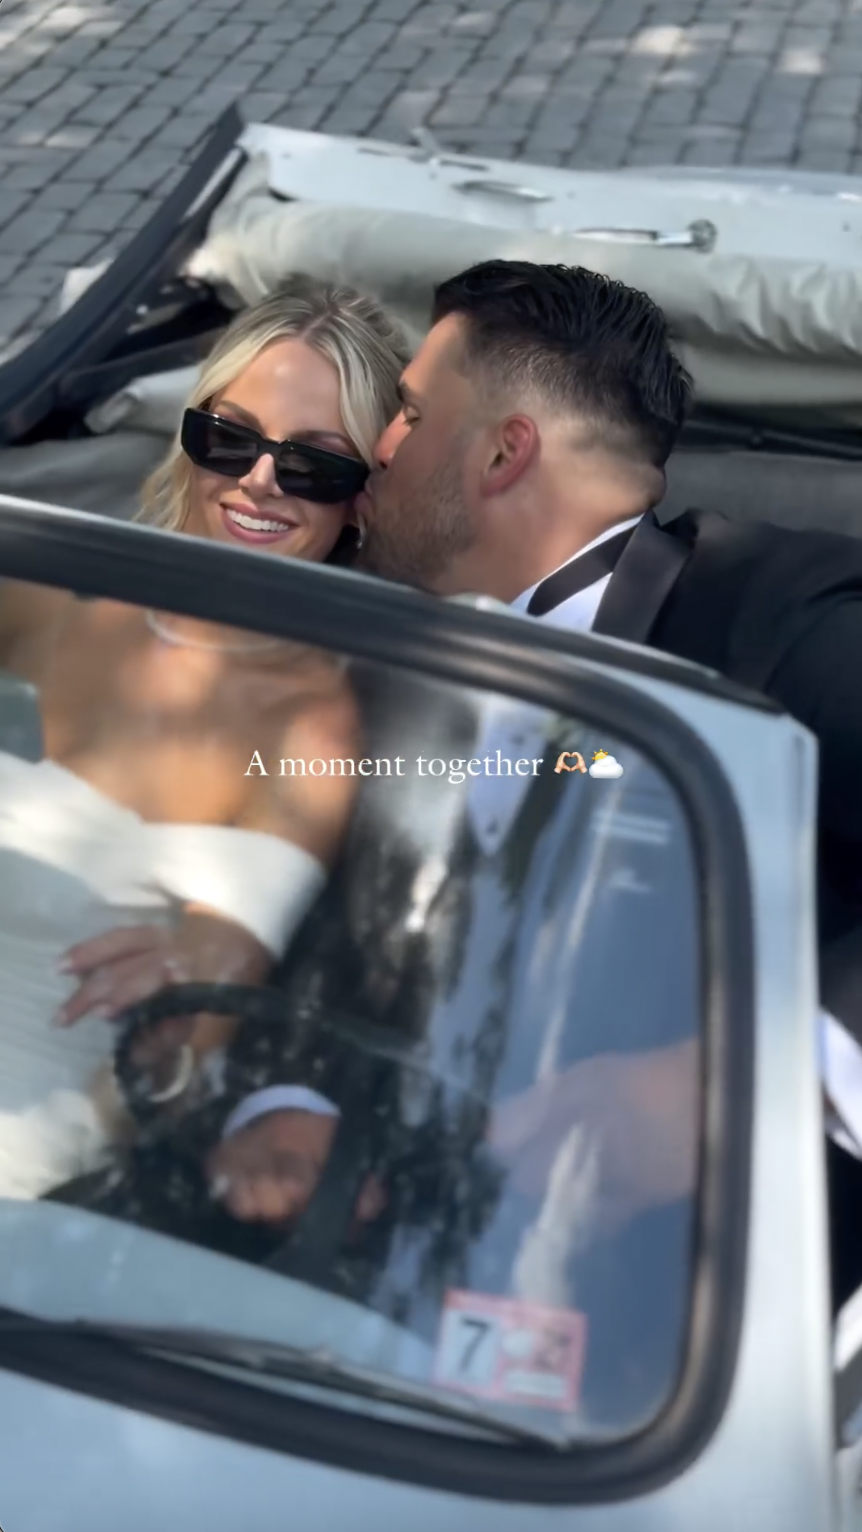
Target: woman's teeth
257 523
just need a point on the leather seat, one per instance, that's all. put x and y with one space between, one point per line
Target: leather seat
790 490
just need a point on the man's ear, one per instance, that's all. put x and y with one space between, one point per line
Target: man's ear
515 445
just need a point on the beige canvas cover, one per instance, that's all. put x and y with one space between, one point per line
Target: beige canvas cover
764 333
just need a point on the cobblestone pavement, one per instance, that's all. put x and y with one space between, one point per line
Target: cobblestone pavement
102 102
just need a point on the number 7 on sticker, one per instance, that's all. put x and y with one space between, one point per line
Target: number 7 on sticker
480 1328
469 1351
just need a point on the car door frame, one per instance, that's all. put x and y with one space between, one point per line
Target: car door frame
561 671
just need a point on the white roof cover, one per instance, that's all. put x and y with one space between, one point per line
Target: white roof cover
766 305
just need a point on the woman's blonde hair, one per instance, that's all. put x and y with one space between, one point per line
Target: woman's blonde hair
365 346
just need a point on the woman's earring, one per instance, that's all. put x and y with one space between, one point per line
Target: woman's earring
360 531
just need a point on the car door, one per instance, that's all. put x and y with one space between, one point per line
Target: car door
564 1259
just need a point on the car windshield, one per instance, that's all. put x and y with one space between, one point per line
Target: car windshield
344 1008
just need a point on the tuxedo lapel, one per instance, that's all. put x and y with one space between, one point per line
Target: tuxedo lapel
645 574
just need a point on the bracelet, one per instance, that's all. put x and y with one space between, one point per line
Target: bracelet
182 1078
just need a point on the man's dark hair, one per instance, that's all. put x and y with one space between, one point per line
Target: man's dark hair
580 340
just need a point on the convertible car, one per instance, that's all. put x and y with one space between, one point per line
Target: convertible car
506 1341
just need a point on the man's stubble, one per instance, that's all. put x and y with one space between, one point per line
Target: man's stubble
414 541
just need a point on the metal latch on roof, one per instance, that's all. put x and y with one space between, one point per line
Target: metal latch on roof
700 235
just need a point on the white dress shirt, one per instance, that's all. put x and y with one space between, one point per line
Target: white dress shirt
519 730
515 728
579 612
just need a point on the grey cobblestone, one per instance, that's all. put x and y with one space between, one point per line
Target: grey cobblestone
29 231
14 202
9 264
595 150
165 53
103 213
715 153
231 83
829 132
139 125
441 68
459 112
195 66
66 250
71 137
660 149
289 74
73 52
98 162
27 177
180 134
16 315
109 103
486 143
616 116
368 39
33 84
733 91
773 148
670 109
307 109
144 173
758 38
377 86
824 159
60 196
836 96
552 137
100 109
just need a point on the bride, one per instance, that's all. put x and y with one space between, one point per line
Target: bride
142 851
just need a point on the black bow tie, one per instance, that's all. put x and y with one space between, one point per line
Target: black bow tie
580 572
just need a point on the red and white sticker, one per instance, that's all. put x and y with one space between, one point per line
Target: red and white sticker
512 1352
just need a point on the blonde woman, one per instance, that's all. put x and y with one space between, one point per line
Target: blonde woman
140 851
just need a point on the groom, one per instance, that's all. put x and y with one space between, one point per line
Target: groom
526 463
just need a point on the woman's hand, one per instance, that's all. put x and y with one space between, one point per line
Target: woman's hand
123 967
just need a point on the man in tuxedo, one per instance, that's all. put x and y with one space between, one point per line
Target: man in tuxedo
526 463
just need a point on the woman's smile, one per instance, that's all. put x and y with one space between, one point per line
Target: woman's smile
249 524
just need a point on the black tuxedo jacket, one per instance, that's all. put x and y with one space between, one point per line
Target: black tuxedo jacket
778 611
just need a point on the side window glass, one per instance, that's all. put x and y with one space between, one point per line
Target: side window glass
371 989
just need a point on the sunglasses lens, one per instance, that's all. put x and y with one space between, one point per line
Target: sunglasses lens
326 478
217 445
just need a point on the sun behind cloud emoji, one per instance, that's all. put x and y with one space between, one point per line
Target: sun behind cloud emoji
605 765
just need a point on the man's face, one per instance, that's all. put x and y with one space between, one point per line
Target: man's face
418 511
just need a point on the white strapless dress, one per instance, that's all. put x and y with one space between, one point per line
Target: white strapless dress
73 865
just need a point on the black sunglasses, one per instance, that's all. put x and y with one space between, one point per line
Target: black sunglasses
310 473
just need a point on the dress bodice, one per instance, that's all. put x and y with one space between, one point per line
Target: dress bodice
72 865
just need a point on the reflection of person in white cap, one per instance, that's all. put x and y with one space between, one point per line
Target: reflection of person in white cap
605 765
